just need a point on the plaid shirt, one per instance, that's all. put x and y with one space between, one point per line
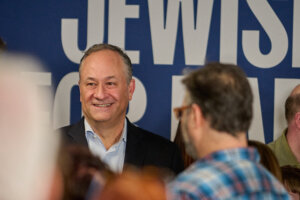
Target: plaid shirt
228 174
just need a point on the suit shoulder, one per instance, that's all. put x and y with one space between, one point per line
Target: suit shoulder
63 132
78 126
64 128
158 151
152 137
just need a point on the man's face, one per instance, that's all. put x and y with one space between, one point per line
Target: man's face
104 92
189 146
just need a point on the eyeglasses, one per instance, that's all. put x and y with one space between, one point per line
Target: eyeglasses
179 111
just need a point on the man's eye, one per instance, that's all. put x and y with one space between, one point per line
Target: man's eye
110 83
91 84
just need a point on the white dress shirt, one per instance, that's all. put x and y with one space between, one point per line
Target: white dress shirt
115 155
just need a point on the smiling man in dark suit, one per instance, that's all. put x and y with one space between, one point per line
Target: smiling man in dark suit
106 87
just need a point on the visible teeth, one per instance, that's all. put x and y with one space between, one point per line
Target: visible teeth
103 105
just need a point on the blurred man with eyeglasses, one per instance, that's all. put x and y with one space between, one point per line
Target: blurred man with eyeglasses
215 116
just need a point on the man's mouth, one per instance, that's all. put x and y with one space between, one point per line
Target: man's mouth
103 105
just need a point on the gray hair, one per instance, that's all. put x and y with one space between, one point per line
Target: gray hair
101 47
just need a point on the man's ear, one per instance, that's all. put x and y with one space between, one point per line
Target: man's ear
196 124
197 115
80 92
297 119
131 88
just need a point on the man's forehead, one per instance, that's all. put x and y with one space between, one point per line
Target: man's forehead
296 90
104 53
91 78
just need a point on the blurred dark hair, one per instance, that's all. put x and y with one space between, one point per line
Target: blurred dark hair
79 167
267 158
291 178
224 95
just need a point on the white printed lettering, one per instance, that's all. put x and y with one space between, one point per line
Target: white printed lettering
163 34
196 38
95 30
228 31
256 131
118 12
138 104
275 31
62 100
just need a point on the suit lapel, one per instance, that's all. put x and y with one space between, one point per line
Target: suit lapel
135 147
77 132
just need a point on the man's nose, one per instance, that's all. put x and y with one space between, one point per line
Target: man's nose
100 92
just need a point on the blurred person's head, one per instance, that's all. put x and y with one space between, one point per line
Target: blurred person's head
84 173
28 148
217 109
291 180
292 104
224 95
292 114
267 158
132 184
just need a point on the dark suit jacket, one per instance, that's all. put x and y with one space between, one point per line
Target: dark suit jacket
142 148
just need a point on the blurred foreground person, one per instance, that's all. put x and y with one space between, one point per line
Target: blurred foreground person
215 115
291 180
146 184
28 150
84 173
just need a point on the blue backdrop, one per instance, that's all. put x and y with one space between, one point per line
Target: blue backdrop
162 37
